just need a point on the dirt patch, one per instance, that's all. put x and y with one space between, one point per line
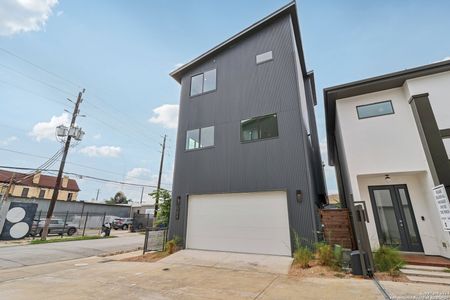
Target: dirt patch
316 270
147 257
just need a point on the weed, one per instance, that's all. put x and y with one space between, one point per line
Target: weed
303 256
388 259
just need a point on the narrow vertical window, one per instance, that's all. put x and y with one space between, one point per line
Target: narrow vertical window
192 139
177 208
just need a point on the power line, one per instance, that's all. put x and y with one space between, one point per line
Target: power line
83 176
40 68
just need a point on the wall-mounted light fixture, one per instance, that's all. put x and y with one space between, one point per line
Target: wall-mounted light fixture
387 178
299 196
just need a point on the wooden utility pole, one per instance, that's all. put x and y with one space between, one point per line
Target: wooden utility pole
159 177
4 204
61 167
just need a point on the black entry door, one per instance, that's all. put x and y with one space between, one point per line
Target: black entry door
394 217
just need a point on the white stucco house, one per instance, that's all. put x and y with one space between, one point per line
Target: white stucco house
389 139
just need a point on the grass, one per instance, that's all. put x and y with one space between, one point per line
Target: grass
69 239
447 270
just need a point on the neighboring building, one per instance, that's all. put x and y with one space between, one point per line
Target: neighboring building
142 209
248 171
38 186
389 139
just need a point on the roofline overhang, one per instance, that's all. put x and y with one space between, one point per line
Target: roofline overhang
289 8
366 86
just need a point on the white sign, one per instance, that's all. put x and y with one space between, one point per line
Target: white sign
443 205
149 211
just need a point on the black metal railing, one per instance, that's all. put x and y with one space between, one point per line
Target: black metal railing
155 239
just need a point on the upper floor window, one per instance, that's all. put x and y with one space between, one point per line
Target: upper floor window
200 138
204 82
263 57
375 109
259 128
25 192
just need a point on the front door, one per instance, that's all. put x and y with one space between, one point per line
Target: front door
394 217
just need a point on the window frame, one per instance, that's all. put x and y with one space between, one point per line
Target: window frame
42 192
374 103
203 83
258 139
200 139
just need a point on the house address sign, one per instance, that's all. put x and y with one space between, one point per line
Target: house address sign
443 205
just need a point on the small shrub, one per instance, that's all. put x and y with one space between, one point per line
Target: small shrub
388 259
171 246
303 256
324 254
178 240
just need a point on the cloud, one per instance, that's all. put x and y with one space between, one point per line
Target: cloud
8 140
165 115
18 16
46 130
446 58
101 151
138 173
97 136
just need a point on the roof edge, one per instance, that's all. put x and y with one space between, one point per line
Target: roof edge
175 74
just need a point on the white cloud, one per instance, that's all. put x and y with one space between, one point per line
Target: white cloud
97 136
166 115
46 130
8 140
101 151
24 15
138 173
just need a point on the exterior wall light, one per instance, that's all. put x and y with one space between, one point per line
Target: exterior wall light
387 178
299 196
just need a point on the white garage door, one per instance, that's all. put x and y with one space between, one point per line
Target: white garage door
247 222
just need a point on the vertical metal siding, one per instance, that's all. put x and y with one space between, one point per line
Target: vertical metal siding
245 90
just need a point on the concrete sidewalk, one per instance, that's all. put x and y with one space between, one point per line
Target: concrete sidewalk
105 278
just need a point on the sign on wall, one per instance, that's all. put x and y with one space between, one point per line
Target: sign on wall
443 205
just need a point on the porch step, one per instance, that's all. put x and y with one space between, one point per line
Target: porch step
425 268
426 273
434 280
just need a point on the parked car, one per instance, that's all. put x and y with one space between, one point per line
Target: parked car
122 223
56 226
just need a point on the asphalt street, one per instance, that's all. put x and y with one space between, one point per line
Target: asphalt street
29 255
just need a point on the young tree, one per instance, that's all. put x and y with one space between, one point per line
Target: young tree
119 198
165 199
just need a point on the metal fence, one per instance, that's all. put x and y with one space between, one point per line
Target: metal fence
155 239
142 221
68 223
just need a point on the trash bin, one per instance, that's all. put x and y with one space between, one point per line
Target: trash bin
355 260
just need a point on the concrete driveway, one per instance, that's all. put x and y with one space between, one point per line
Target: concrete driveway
177 278
232 261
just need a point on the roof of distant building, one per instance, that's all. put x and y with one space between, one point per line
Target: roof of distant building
45 181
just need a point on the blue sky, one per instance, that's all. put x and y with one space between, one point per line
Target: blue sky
122 52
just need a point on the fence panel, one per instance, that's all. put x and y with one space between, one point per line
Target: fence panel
155 239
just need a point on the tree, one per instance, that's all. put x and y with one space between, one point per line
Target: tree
165 200
119 198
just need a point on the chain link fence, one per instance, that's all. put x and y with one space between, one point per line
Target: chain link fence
155 239
71 224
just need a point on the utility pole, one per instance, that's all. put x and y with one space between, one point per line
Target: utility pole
159 177
142 195
75 113
4 204
96 197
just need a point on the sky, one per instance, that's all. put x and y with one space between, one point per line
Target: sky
122 51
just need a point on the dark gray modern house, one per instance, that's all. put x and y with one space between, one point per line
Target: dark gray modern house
248 171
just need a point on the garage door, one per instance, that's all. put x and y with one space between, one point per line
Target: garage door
247 222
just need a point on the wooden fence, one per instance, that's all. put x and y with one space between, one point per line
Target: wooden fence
337 227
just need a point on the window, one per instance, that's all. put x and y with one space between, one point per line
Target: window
69 196
259 128
204 82
375 109
42 194
200 138
264 57
25 192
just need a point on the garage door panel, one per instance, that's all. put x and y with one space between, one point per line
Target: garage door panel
250 222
